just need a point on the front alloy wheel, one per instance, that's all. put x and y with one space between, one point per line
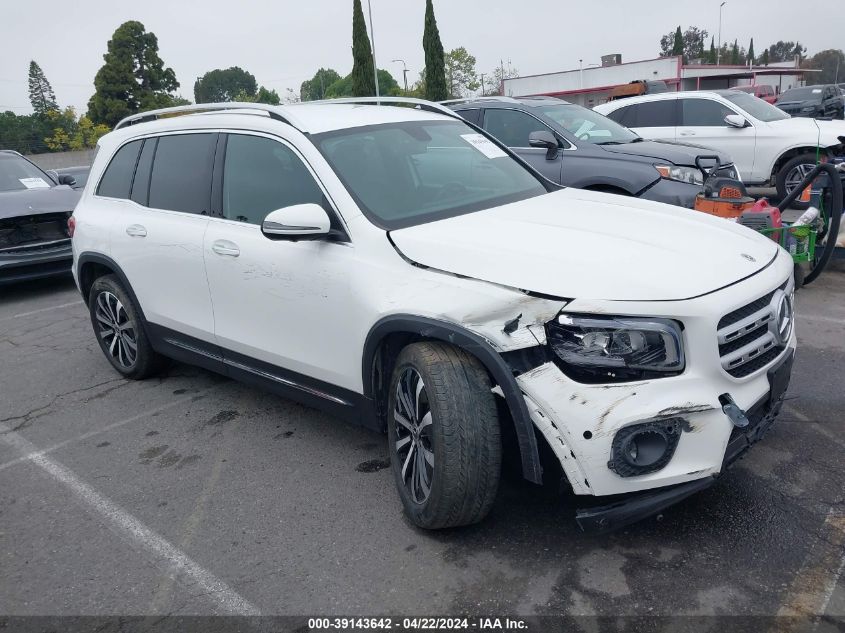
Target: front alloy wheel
413 444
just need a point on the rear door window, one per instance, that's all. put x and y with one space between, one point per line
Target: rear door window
472 115
181 173
653 114
117 179
704 113
141 184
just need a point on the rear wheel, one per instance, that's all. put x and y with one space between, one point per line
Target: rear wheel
117 325
791 174
443 434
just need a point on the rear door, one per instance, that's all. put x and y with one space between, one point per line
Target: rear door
513 128
653 120
158 232
703 123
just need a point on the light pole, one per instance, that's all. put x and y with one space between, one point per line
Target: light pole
581 73
373 38
404 71
719 50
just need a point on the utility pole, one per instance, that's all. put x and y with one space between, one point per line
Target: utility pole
404 71
482 83
373 38
719 50
502 67
581 72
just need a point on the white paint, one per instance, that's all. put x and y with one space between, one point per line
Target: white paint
108 427
132 529
50 309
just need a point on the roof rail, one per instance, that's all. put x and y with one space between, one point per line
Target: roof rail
275 112
484 98
422 104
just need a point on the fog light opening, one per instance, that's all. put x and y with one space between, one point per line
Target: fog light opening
645 449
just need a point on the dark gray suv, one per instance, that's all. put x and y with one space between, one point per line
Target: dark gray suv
581 148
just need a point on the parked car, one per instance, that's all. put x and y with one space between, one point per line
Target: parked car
34 211
813 101
768 146
79 174
578 147
761 91
401 269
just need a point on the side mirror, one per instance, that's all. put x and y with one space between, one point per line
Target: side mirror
547 140
298 222
735 120
67 179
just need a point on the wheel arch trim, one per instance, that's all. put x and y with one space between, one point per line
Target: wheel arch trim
473 344
88 257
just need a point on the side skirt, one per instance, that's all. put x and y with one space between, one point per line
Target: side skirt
342 403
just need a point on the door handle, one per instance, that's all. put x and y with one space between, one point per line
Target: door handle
687 133
225 248
136 230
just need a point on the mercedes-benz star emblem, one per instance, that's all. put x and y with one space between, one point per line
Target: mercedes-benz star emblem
781 327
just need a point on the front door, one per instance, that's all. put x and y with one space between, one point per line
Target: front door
512 128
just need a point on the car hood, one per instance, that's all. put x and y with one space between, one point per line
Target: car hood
589 245
828 133
675 153
793 104
35 201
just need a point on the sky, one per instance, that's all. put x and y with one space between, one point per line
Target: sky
283 42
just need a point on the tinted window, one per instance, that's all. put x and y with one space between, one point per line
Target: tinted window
622 116
755 107
117 180
704 113
141 184
587 125
181 176
261 175
407 173
511 127
653 114
473 115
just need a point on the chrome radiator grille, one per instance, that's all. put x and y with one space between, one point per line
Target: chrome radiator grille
754 335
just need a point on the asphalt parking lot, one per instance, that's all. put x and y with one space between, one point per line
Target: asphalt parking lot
193 494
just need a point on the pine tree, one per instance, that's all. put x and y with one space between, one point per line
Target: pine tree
41 94
711 58
751 52
678 46
435 65
363 80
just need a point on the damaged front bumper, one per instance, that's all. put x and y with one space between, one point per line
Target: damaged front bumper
634 507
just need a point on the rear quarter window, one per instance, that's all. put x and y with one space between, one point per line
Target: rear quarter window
117 179
181 173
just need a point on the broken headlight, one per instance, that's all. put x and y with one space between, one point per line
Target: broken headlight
615 349
689 175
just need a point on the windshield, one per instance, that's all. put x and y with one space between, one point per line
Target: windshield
587 125
17 174
411 172
757 108
802 94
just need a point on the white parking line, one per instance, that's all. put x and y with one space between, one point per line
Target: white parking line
50 309
132 529
108 427
823 319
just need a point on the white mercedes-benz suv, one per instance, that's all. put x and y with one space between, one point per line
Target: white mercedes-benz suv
401 269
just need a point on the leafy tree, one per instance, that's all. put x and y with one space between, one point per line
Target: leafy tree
711 56
133 77
782 51
70 134
735 56
764 58
343 86
270 97
830 62
496 85
315 88
41 94
750 59
689 44
217 86
461 76
435 65
363 79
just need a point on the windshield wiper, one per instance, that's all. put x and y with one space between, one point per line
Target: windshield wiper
612 143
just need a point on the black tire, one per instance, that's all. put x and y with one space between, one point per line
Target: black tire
781 177
109 303
462 435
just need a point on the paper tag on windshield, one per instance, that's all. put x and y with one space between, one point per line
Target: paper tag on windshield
34 183
484 145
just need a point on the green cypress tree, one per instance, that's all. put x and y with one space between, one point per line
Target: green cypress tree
735 54
678 46
41 94
751 51
363 80
435 65
711 57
